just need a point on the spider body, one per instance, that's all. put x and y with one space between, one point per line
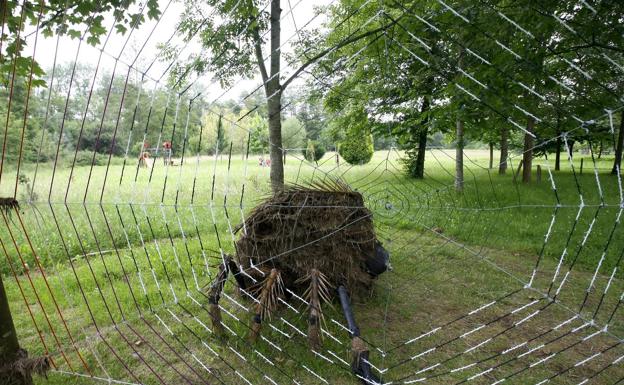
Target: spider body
305 241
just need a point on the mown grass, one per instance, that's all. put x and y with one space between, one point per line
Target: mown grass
140 261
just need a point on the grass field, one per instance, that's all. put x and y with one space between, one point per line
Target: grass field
128 259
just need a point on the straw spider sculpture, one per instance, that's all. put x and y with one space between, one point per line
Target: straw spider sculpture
315 241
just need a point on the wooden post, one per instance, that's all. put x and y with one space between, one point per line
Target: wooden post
539 174
581 171
9 346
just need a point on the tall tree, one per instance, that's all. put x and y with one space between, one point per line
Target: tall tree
234 43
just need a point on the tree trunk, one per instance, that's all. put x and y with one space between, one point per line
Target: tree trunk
459 134
422 141
527 158
422 149
8 337
617 162
459 156
274 102
491 155
600 149
558 154
504 152
9 346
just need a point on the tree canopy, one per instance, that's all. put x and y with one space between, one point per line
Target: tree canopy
504 69
78 19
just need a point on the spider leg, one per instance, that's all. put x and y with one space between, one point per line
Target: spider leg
316 292
238 276
269 291
360 364
214 295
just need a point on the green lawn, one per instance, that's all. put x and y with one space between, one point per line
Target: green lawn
134 259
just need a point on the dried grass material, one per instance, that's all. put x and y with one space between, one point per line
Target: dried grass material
8 204
322 226
20 371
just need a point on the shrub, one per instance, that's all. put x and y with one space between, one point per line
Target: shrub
413 165
410 161
357 148
314 152
85 158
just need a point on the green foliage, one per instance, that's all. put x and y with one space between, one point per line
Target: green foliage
293 134
74 18
221 141
357 148
486 87
259 140
228 38
312 116
314 151
88 158
410 161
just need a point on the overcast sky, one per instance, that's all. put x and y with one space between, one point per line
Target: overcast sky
127 46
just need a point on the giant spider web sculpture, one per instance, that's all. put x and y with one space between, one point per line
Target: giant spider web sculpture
112 259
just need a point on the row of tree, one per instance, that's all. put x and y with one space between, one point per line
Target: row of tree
497 71
113 115
501 72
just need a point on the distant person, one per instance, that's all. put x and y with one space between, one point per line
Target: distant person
144 159
167 152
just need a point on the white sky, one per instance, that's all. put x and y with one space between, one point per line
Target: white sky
126 46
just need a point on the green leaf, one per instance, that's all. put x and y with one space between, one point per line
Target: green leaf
121 29
93 40
97 29
39 83
74 34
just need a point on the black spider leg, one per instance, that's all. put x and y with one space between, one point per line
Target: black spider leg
360 364
240 280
